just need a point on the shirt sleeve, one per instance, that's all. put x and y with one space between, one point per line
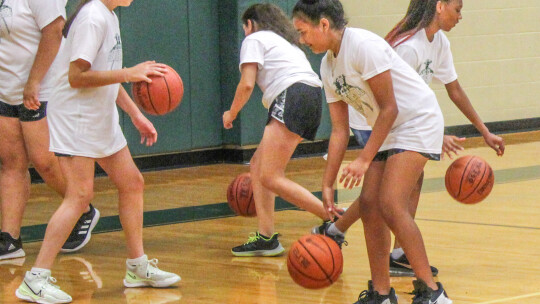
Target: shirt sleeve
329 92
372 58
446 71
88 37
409 55
46 12
252 51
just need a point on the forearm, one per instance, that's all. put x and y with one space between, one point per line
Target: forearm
93 79
339 140
241 97
462 102
47 50
380 131
126 103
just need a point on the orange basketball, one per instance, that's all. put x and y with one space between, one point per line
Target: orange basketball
315 261
469 179
240 195
161 96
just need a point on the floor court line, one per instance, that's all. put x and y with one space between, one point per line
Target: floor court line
511 299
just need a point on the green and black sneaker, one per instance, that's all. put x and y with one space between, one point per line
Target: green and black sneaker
259 245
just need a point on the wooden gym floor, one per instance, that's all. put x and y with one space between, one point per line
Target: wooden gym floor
486 253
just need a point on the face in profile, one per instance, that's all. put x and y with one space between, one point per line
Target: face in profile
450 14
311 35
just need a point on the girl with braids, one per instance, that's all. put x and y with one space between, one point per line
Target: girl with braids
270 56
84 129
360 69
419 39
30 36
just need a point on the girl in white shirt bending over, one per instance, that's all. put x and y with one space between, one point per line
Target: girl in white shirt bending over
360 69
292 92
85 129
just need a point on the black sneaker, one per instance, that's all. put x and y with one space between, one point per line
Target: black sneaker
10 248
323 229
425 295
258 245
402 268
82 232
371 296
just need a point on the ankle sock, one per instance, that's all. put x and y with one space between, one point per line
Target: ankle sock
333 230
397 253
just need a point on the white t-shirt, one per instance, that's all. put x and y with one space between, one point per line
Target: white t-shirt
429 59
21 22
280 63
84 122
363 55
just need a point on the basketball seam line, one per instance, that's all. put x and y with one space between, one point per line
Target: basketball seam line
168 93
478 184
150 97
318 264
462 176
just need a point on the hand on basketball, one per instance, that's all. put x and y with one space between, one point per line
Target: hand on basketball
451 144
228 119
328 202
146 129
352 174
141 71
495 142
31 96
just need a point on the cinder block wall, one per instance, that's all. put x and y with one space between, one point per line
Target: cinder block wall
496 49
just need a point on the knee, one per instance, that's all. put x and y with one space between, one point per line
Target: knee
368 209
391 213
135 184
14 162
82 195
44 166
268 180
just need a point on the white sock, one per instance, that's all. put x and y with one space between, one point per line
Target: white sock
333 230
397 253
137 261
38 271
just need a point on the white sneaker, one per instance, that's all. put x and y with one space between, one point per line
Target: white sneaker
147 273
38 288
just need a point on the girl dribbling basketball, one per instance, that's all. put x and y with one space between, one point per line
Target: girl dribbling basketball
85 129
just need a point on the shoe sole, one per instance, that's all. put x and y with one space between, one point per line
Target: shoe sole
16 254
88 236
160 284
261 253
24 297
404 272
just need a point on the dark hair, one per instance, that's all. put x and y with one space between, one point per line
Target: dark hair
314 10
419 15
270 17
69 21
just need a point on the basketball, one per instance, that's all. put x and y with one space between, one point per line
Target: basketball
161 96
240 196
315 261
469 179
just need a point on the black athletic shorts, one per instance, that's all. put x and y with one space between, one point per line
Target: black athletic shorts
22 113
299 108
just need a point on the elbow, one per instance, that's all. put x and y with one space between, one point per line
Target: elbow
75 82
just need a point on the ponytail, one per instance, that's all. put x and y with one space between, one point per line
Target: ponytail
419 15
69 21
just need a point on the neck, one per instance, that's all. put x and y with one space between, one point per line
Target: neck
109 4
336 39
431 29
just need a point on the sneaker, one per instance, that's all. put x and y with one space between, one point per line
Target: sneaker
82 232
323 229
38 288
148 274
371 296
425 295
402 268
258 245
10 248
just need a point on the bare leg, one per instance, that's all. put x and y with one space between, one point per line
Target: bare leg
130 183
36 139
14 177
401 176
264 198
79 173
413 202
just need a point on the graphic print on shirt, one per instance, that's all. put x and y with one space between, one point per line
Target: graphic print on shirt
6 14
115 54
352 95
426 72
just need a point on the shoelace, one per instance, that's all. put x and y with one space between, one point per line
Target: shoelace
364 295
253 237
153 263
49 282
